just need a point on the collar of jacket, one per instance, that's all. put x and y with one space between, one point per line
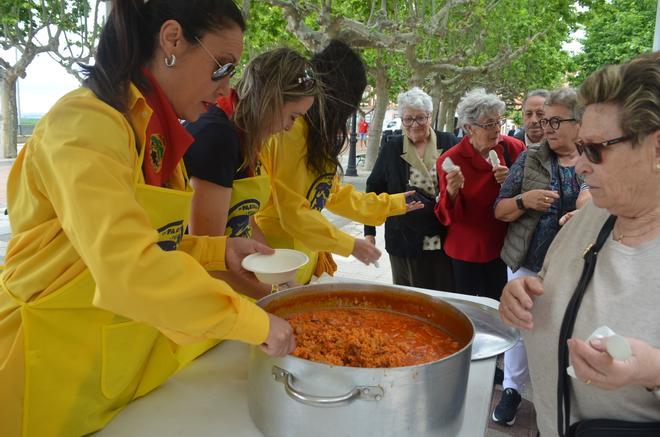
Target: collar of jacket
138 113
409 154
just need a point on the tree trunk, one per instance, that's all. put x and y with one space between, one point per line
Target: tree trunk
376 125
9 116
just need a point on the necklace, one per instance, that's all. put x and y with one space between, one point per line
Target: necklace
620 237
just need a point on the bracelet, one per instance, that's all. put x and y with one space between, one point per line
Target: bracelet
655 390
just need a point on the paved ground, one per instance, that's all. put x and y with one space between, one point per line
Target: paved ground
348 267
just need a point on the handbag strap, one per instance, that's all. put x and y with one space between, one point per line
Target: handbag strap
563 382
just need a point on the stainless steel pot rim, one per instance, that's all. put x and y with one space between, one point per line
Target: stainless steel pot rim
342 286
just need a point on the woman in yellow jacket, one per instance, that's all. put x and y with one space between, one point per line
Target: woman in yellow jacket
303 164
275 89
103 297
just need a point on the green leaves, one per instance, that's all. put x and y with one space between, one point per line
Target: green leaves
615 32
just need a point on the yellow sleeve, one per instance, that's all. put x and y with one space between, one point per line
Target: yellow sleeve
85 168
284 161
308 225
208 251
367 208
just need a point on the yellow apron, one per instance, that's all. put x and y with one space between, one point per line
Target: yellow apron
80 365
248 195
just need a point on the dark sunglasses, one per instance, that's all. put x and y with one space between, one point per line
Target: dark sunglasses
594 151
554 122
306 80
226 70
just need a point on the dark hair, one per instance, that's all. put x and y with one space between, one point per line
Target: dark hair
129 37
269 81
344 79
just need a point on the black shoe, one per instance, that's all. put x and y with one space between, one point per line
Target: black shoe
499 376
505 412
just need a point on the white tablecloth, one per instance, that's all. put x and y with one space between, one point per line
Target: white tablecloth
209 398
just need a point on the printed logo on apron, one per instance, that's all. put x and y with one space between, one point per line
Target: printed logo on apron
157 151
238 224
320 191
170 235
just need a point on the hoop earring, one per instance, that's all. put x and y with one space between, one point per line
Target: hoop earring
170 60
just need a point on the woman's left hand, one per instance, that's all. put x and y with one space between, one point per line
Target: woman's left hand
412 205
500 172
238 248
593 365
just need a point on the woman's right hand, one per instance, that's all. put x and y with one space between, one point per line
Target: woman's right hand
280 341
455 181
539 200
366 251
516 302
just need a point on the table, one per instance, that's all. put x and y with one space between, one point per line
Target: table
209 397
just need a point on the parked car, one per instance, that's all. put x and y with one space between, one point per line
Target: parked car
392 125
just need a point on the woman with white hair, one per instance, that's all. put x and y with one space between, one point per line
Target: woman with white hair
469 184
407 162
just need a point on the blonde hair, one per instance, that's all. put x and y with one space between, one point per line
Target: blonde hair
269 81
633 86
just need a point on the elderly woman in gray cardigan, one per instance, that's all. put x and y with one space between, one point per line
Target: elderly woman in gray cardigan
541 192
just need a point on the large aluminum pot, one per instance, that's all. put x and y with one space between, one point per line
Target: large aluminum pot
293 397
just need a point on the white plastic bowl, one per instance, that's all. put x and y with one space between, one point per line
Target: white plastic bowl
277 268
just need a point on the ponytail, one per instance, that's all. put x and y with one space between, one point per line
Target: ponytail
129 37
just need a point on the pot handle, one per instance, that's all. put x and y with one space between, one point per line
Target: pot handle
367 393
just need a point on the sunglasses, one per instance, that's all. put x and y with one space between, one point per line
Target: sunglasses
594 151
306 80
226 70
554 122
493 124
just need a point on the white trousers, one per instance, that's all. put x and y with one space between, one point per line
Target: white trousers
516 374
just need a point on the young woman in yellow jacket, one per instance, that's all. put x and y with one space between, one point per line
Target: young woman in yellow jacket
303 166
103 297
275 89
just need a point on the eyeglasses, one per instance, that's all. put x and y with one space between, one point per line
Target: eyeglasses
306 80
594 151
420 119
222 71
554 122
492 125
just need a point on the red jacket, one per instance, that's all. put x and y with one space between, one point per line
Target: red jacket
363 127
473 232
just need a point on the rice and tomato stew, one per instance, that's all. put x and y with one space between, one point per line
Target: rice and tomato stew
368 338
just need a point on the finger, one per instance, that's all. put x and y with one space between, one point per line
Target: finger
591 363
533 285
510 318
262 248
551 194
409 193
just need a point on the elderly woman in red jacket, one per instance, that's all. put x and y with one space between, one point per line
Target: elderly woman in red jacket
469 183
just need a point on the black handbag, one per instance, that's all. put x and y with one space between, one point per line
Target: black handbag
423 221
591 427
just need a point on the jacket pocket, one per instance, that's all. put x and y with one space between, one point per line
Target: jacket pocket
126 349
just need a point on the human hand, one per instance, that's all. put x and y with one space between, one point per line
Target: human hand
500 172
365 251
371 239
412 205
539 200
455 181
238 248
566 217
593 365
280 341
516 302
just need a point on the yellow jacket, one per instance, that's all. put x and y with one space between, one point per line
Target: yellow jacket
72 205
292 216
